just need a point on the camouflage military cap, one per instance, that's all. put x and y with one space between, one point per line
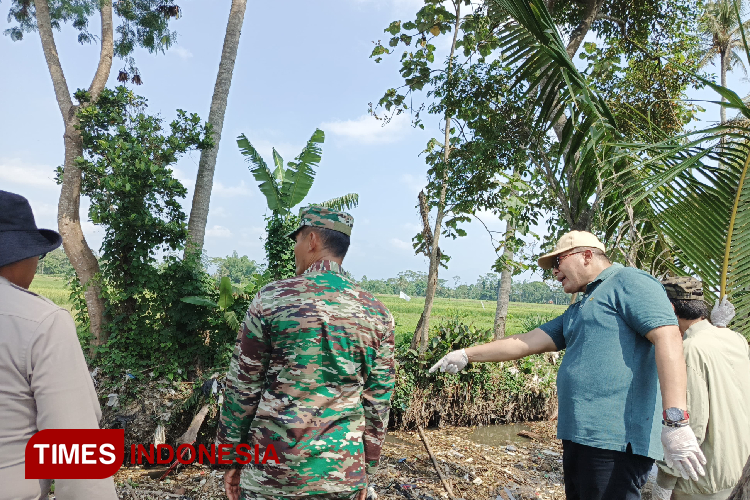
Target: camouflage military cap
683 288
326 218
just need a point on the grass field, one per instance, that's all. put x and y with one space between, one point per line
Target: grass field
54 288
480 314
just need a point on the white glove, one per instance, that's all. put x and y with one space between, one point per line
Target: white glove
659 493
681 451
453 362
722 313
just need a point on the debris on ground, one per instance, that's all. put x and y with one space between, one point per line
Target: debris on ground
527 470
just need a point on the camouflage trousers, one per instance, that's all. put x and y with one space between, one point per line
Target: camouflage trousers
346 495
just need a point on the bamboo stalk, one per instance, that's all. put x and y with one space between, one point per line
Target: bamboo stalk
446 484
725 266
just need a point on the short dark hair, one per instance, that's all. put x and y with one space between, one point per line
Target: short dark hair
690 309
335 242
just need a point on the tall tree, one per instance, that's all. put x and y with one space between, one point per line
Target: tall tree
207 164
143 24
720 35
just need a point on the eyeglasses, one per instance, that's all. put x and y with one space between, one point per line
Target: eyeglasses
559 259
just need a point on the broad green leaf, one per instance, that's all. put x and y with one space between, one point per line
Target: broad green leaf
301 172
226 299
262 174
199 301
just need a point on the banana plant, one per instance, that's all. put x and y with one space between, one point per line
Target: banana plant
286 187
227 293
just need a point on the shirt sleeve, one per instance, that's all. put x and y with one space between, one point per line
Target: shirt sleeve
376 399
643 302
554 329
65 396
245 379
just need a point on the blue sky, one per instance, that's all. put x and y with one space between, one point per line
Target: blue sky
301 64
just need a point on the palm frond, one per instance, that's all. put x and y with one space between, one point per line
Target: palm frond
261 172
300 175
346 202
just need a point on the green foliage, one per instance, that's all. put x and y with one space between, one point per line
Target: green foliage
55 262
239 269
414 283
142 24
135 197
228 295
480 394
284 188
279 247
480 314
342 203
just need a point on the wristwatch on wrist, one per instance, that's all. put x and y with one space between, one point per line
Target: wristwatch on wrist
675 417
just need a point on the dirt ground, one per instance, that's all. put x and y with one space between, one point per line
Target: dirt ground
529 469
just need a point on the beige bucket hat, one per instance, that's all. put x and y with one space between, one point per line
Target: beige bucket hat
569 241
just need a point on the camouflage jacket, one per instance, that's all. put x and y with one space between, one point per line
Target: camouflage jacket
311 374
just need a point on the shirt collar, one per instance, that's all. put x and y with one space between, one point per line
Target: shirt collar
603 276
696 328
325 265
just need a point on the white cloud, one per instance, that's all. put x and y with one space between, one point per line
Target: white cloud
401 244
219 232
17 172
415 183
369 130
182 52
220 189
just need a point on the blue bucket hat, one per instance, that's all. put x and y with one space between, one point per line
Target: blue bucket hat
19 237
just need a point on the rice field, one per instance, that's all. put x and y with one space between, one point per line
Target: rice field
480 314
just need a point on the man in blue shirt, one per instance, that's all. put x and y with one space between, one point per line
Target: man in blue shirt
623 364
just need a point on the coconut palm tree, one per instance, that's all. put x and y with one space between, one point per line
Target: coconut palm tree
694 186
720 35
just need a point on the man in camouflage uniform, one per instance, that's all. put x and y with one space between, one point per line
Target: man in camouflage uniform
311 374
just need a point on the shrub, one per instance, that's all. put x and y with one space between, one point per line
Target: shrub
482 393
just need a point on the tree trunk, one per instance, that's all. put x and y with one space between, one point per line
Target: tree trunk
742 490
506 278
432 276
207 164
724 57
81 257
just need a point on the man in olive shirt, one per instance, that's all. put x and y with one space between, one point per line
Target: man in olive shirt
718 385
44 381
617 337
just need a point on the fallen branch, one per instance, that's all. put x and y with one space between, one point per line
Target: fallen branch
188 438
445 482
530 435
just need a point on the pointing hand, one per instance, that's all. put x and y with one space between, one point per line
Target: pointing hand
453 362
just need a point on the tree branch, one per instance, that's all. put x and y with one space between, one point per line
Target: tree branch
107 51
44 25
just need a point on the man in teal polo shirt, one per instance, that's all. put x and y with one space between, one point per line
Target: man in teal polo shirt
623 364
